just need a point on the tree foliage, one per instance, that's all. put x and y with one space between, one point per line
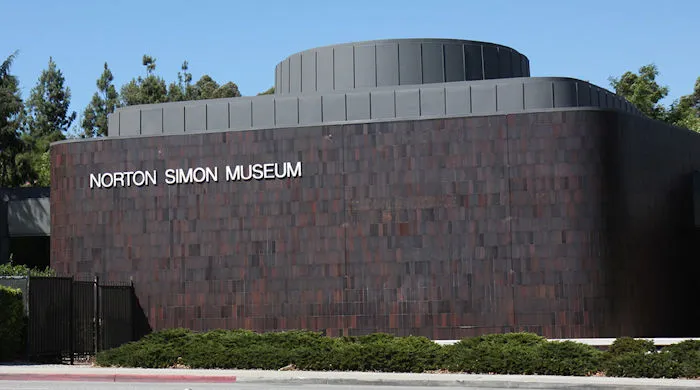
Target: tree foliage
180 91
103 103
13 168
48 103
207 88
153 89
47 120
685 111
27 128
148 90
269 91
642 90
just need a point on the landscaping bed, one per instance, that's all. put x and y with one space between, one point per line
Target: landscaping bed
512 353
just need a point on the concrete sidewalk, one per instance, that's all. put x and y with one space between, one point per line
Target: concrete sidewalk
88 373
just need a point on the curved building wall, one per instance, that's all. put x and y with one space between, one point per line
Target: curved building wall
444 227
486 97
395 62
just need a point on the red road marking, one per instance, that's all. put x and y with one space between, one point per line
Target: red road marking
119 378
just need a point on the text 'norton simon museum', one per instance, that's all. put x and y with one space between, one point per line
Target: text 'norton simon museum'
413 186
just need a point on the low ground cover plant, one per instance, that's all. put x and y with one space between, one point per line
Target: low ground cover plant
512 353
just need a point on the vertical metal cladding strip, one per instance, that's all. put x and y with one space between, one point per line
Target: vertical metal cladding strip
414 61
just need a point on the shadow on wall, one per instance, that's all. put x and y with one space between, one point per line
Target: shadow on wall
141 327
29 217
696 201
652 234
687 269
31 251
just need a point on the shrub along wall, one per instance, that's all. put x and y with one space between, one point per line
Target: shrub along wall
514 353
9 269
11 323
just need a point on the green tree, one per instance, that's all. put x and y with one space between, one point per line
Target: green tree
47 120
207 88
269 91
13 168
48 103
642 90
685 111
103 103
180 91
42 168
153 89
696 95
148 90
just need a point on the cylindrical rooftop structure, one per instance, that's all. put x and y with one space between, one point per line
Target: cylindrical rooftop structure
380 63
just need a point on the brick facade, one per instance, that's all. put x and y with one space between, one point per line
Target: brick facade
443 228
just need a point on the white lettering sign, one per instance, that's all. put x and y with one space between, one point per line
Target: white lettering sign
123 179
191 175
258 171
263 171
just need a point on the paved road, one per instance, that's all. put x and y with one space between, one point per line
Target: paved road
31 385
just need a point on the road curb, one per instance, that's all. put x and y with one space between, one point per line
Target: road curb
470 383
119 378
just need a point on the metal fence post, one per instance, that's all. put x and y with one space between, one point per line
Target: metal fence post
26 300
96 316
132 304
71 323
27 336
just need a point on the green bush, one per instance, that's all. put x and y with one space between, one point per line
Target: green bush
643 365
8 269
629 357
306 350
386 353
12 323
687 354
156 350
249 350
224 349
271 351
511 353
625 345
567 358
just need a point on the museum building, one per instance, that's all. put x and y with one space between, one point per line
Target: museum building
413 186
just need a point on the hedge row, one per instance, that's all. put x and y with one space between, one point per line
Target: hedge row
12 323
9 269
514 353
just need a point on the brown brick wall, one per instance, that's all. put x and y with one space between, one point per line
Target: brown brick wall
443 228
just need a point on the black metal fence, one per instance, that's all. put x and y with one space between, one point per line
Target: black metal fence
69 319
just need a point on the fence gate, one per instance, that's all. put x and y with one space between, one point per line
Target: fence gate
49 330
116 314
84 315
70 318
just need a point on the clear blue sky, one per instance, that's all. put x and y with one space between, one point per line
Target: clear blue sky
242 41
